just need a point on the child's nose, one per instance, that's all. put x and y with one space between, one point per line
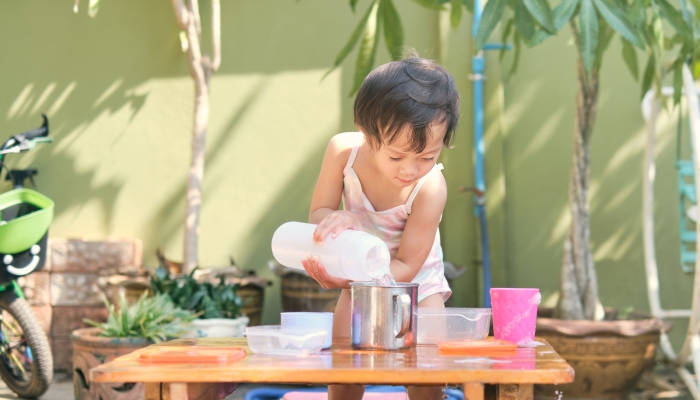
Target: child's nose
408 169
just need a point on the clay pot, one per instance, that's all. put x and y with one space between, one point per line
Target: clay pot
608 356
90 351
302 293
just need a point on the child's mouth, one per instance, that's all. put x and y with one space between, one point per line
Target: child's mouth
405 181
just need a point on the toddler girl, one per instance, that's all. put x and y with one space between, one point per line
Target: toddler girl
390 185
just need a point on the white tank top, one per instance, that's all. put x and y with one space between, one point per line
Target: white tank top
389 225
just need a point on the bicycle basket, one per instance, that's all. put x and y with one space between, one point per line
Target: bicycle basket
26 216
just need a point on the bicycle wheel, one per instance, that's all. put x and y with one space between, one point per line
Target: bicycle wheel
26 363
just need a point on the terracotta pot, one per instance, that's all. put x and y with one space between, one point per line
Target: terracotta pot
90 351
608 356
302 293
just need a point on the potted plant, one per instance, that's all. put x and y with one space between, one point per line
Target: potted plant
657 27
216 303
129 327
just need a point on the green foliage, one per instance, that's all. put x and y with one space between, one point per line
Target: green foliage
155 318
380 14
208 300
588 34
668 34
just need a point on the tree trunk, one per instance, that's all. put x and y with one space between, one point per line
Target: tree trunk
195 175
201 68
579 287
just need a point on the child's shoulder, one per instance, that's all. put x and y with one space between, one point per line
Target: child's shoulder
433 193
346 140
340 146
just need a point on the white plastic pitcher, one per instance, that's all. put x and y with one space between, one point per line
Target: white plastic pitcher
353 255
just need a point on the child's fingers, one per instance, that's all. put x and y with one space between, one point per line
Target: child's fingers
323 229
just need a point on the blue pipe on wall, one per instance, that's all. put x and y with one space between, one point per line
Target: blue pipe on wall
479 184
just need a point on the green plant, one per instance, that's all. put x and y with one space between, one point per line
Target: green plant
205 298
156 318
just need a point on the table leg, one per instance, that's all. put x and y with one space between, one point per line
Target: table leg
192 391
152 391
515 392
473 391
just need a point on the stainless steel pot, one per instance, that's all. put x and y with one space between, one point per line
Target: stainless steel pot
383 317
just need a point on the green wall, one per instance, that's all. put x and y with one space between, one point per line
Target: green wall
119 95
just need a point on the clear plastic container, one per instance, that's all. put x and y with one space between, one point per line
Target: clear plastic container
451 324
316 320
353 255
278 341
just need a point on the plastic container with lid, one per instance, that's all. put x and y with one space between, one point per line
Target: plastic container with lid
353 255
320 320
279 341
452 324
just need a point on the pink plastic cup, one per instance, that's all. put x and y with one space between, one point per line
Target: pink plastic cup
514 313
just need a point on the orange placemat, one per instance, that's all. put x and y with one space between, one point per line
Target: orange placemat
477 347
192 355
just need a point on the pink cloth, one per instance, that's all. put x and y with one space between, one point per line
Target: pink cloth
388 225
324 396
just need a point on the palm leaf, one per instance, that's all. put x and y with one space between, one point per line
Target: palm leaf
456 13
368 47
649 71
469 4
524 22
542 13
489 19
617 20
353 39
674 18
562 13
393 29
588 26
629 54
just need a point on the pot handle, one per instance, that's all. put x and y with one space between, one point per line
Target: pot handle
402 310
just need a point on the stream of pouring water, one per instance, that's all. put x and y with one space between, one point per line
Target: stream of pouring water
380 273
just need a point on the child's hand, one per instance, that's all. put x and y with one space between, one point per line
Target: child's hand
334 223
317 271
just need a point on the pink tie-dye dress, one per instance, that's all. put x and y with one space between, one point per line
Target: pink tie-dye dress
388 225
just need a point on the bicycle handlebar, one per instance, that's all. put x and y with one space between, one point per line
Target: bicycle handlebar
42 131
27 140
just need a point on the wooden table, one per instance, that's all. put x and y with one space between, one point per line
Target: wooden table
514 375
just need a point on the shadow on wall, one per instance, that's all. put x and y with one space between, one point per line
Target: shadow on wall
292 204
82 71
166 223
78 70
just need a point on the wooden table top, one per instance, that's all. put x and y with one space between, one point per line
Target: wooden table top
341 364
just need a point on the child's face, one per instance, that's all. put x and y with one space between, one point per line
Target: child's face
404 166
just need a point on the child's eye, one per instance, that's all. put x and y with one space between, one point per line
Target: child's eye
395 158
429 159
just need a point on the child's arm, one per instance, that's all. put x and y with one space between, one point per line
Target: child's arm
421 227
326 202
329 189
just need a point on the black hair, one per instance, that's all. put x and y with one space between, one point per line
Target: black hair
410 93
